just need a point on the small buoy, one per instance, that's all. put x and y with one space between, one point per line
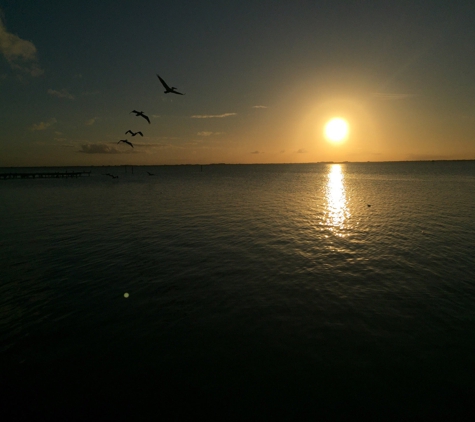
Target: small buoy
126 295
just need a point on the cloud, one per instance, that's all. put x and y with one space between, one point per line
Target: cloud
98 149
212 116
20 54
61 94
209 133
151 146
259 106
389 96
90 122
43 125
301 151
256 152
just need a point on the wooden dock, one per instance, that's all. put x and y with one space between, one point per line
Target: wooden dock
54 175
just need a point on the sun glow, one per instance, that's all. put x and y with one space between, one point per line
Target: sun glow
336 130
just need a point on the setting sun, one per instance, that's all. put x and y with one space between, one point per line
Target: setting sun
336 130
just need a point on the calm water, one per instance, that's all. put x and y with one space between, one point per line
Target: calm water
255 292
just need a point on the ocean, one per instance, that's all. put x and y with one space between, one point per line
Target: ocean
239 292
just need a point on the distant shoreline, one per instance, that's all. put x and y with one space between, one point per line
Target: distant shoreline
242 164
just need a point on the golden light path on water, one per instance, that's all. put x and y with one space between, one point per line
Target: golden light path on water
336 212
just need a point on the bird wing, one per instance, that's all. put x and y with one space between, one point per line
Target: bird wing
134 111
146 118
140 133
164 83
129 131
130 143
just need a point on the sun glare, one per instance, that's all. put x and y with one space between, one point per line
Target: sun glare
336 130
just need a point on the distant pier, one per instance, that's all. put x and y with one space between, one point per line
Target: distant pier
55 175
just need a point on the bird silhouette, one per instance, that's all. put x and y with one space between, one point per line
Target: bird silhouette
140 113
134 133
111 175
167 88
125 141
150 174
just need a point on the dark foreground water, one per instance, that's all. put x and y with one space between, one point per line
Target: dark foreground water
269 292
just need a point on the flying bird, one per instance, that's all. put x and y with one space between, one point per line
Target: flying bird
111 175
134 133
150 174
167 88
125 141
140 113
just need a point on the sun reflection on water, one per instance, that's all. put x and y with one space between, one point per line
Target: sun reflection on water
337 211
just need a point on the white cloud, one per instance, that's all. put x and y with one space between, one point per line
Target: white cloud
204 133
259 106
61 94
98 149
43 125
20 54
90 122
212 116
151 146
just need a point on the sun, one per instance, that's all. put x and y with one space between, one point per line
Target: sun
336 130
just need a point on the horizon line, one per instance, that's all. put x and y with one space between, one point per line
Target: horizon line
247 164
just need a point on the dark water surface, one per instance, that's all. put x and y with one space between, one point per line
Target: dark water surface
257 292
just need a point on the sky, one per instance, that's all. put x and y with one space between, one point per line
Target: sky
261 79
